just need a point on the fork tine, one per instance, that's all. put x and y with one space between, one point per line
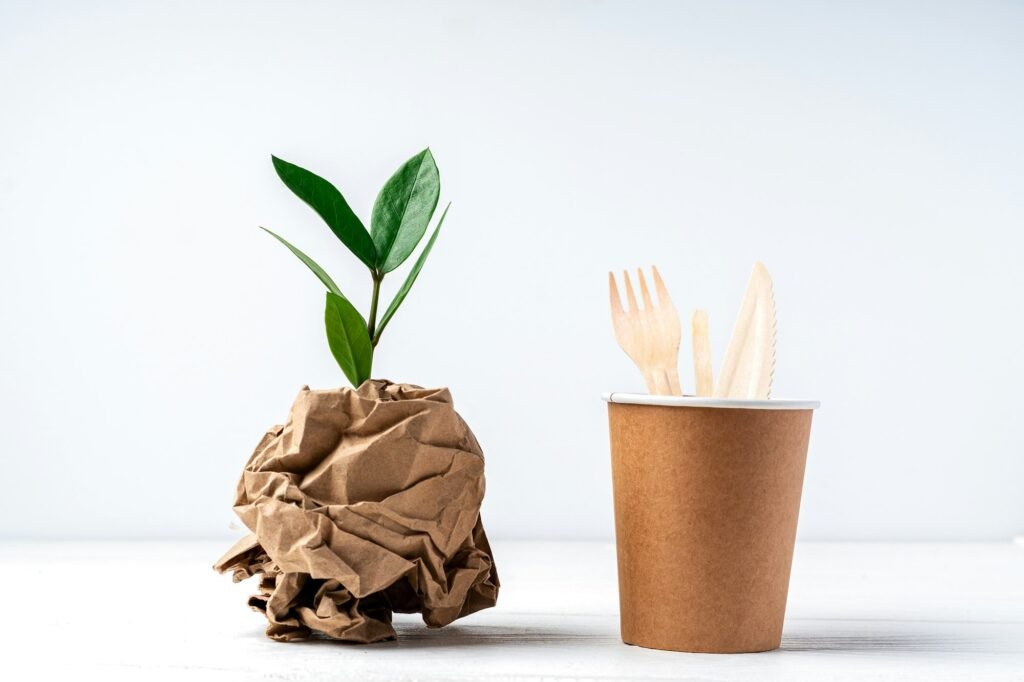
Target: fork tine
644 293
613 295
633 307
659 286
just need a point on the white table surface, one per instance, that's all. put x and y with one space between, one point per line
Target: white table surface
155 611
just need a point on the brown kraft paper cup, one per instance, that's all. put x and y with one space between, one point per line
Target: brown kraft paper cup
707 494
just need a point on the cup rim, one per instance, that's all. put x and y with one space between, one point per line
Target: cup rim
694 401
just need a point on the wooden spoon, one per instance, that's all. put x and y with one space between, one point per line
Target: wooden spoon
702 353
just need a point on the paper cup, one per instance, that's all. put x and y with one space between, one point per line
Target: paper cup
707 493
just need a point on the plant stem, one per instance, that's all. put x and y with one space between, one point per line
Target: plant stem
372 321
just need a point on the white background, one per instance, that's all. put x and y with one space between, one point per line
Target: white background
869 153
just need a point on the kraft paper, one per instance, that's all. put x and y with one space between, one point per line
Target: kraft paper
365 503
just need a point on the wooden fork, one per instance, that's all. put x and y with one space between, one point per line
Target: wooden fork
650 336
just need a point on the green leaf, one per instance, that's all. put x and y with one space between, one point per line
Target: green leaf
327 201
310 263
348 339
403 210
411 278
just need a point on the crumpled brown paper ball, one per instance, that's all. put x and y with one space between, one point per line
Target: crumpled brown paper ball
365 503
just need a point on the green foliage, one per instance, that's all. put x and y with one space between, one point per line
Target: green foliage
327 201
310 263
411 277
401 214
346 335
403 209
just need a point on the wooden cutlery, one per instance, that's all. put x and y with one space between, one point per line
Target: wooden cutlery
650 336
749 362
702 353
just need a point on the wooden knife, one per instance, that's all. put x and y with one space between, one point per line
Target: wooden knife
749 362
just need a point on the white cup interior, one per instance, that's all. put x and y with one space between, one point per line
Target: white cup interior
694 401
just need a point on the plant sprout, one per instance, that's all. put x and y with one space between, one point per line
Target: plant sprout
401 214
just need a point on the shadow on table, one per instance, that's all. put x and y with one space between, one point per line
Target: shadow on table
415 635
419 637
817 637
868 641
